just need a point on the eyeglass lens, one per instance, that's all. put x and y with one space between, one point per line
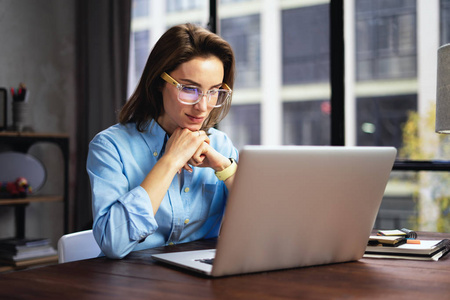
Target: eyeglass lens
192 94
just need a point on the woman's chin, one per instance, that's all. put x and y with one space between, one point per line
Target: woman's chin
192 127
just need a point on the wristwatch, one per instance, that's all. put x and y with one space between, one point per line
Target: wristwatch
227 172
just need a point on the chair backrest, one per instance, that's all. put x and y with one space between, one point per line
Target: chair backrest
77 246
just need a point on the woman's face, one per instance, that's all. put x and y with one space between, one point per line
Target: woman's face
205 73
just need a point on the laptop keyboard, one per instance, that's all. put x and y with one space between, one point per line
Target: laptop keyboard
208 261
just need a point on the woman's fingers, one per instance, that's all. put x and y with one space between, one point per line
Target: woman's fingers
189 148
187 167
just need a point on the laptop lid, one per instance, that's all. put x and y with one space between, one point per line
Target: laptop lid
295 206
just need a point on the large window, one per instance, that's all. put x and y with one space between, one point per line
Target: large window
283 89
394 90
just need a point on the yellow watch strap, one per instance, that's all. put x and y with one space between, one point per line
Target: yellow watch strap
227 172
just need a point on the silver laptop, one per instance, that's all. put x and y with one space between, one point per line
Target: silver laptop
295 206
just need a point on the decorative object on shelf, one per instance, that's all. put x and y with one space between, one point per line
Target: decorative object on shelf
21 108
16 165
15 189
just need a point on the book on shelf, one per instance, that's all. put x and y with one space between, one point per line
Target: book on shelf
22 243
13 250
29 254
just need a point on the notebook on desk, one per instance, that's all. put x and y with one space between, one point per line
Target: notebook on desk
295 206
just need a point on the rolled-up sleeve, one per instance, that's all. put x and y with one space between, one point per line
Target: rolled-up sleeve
123 214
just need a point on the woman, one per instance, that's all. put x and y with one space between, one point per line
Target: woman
162 175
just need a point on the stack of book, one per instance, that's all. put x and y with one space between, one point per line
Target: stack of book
403 244
24 252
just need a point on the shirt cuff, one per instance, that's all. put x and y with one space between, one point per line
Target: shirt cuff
139 209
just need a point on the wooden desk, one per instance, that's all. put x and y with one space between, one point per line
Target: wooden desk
139 277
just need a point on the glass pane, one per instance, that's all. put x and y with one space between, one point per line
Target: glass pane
380 119
184 5
140 8
243 34
141 41
306 49
306 122
150 19
416 200
292 100
243 124
445 21
385 40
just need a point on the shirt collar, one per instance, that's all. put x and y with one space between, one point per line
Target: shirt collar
155 137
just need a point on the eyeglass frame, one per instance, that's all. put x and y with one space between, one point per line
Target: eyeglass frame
169 79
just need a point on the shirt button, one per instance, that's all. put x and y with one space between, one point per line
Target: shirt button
186 190
155 153
186 221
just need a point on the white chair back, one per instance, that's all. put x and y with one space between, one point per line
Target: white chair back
77 246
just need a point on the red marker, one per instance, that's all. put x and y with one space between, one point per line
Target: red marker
410 241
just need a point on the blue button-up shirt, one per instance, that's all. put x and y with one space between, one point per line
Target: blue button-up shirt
119 159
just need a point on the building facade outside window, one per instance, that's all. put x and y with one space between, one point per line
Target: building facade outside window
386 39
305 43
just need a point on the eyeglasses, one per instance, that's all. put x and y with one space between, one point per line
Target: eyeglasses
190 94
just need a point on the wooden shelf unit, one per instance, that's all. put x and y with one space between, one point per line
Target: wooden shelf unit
21 142
24 264
31 199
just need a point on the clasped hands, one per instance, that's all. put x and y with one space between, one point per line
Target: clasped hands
192 148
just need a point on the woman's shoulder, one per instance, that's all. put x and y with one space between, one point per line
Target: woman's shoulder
116 134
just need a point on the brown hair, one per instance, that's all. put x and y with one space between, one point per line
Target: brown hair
178 45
